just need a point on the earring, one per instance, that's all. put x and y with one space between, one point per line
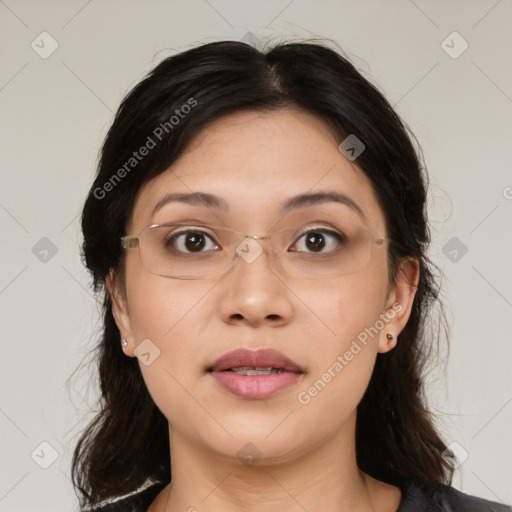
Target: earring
124 343
389 337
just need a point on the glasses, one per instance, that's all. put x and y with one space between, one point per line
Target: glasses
189 251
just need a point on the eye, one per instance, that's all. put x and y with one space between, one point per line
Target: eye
191 241
319 241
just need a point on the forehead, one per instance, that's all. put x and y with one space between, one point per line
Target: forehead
256 161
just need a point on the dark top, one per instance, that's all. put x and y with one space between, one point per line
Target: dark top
414 499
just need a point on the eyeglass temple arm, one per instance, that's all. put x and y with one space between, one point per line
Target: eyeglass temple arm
129 242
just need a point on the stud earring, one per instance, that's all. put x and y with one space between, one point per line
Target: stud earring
389 337
124 343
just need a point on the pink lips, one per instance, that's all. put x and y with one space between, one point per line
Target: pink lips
255 386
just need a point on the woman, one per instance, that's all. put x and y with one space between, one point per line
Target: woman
258 228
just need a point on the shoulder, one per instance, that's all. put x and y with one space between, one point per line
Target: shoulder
443 498
138 502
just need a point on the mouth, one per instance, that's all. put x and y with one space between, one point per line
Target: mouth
255 374
265 361
248 370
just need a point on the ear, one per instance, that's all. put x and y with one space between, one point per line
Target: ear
399 303
120 311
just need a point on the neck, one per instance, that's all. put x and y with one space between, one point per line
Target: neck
325 477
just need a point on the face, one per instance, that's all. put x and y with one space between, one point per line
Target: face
332 328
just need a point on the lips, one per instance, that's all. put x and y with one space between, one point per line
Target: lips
255 375
249 359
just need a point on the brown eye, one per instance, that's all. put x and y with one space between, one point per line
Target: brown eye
191 242
194 242
315 241
319 241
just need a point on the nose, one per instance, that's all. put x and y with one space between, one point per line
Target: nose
252 292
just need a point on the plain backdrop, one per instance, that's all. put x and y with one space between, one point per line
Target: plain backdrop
444 65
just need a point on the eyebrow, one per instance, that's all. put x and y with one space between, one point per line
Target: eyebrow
194 199
308 199
299 201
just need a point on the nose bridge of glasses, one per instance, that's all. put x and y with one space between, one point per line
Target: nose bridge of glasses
251 247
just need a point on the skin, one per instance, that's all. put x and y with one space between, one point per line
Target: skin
255 161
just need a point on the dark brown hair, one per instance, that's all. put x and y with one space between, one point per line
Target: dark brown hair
127 445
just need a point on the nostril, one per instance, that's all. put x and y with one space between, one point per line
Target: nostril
273 317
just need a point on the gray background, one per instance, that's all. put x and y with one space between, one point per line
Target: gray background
56 110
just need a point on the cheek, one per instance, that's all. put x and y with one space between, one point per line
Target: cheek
348 307
160 306
344 354
171 314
